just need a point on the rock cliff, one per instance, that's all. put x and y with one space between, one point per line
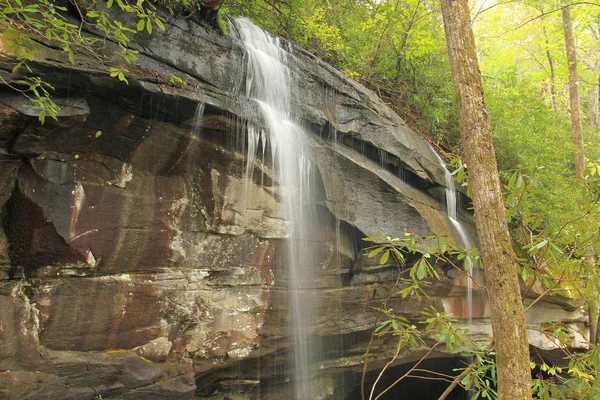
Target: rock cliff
138 262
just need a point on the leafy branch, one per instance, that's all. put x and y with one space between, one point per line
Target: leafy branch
45 21
438 326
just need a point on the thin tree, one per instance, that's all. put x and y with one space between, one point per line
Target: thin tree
577 134
595 105
507 317
576 125
594 119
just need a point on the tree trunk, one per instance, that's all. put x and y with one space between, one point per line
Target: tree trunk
577 133
552 75
576 126
595 118
550 64
507 317
596 105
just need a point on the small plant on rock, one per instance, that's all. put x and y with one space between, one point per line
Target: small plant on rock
177 82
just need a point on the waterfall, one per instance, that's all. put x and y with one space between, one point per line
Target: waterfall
267 81
452 212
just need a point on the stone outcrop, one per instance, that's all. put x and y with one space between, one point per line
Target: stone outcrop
136 259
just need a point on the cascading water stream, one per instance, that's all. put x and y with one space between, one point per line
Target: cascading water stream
267 81
452 210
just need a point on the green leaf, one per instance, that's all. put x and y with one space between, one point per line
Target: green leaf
149 27
42 116
383 325
109 4
465 380
384 257
511 200
519 181
556 248
160 24
140 25
421 269
587 201
376 251
511 181
399 256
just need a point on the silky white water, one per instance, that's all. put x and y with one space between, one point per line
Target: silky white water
267 82
452 210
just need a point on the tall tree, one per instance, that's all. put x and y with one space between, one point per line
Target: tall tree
551 72
577 133
595 106
507 316
576 125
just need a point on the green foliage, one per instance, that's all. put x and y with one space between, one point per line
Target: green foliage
553 247
407 333
429 250
441 325
45 21
480 375
553 253
222 23
435 325
394 47
177 82
581 380
544 388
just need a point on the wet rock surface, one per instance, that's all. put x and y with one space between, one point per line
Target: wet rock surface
137 259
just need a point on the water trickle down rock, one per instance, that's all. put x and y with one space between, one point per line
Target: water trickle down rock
148 261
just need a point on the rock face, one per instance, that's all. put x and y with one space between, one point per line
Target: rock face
136 259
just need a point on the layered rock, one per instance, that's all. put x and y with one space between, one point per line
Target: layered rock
138 261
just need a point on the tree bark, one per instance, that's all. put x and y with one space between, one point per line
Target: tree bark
576 125
595 105
552 75
507 317
550 64
577 133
